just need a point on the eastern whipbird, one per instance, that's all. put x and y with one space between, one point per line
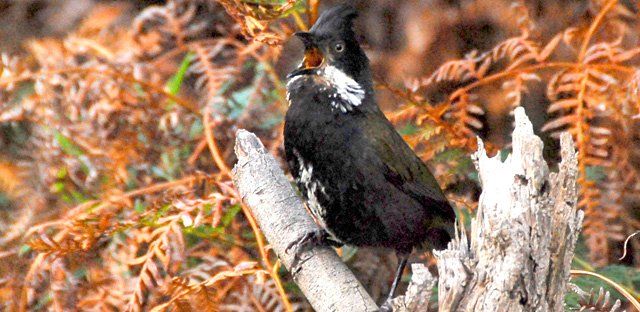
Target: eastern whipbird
360 179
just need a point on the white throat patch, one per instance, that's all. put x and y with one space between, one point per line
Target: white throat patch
348 93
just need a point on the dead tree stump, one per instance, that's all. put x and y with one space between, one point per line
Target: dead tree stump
523 237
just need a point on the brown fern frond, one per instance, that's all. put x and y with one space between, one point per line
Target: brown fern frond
577 98
198 284
461 71
163 256
63 287
254 295
216 64
517 86
473 71
159 30
255 18
204 29
69 245
464 111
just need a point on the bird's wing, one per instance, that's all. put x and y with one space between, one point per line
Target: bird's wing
405 170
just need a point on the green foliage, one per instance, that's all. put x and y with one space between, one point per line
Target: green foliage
67 145
176 81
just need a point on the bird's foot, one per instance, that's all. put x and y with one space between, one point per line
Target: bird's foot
305 243
387 306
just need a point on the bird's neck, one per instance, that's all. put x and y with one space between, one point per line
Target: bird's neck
347 93
336 87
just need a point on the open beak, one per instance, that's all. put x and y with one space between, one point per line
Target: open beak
313 57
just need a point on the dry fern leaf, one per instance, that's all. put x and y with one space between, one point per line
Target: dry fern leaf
158 30
585 102
166 249
202 28
255 18
254 295
209 283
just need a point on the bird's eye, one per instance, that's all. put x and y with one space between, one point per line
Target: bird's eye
339 47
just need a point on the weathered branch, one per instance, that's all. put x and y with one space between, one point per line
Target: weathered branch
323 278
523 236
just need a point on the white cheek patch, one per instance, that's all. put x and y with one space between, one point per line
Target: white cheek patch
348 93
344 93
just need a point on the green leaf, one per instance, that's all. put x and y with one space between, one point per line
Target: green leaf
56 187
62 173
79 197
138 206
230 214
175 82
67 146
595 173
408 129
24 249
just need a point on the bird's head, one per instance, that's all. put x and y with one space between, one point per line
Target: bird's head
331 43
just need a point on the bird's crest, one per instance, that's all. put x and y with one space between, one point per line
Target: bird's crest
338 19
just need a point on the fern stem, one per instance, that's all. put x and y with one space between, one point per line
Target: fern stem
544 66
213 146
584 264
312 5
299 22
594 25
98 205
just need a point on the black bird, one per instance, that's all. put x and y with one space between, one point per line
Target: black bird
362 182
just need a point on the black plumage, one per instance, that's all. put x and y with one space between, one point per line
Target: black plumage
361 180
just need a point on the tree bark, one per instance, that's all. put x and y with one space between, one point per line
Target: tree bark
323 278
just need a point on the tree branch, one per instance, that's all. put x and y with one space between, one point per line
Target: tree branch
323 278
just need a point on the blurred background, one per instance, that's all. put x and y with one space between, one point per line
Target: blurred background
117 121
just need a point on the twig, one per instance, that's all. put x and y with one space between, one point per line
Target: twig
626 241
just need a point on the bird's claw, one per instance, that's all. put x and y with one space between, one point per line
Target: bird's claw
306 242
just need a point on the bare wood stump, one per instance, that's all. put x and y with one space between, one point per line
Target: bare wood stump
523 236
